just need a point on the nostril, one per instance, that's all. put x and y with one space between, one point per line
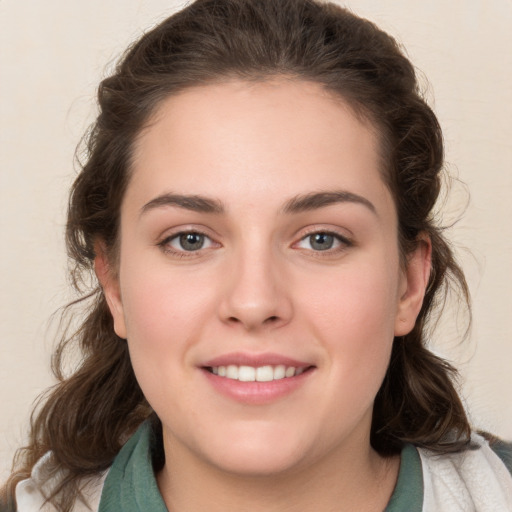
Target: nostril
270 319
254 320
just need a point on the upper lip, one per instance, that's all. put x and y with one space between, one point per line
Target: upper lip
255 360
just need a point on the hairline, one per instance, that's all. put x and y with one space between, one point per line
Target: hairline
362 113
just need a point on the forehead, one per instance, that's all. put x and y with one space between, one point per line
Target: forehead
281 137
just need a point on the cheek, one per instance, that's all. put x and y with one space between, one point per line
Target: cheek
359 302
353 317
157 297
164 313
162 323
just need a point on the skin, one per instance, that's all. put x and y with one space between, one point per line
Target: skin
258 285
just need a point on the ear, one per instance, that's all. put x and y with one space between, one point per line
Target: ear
109 282
414 283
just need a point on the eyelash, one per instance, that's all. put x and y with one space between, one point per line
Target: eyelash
166 246
341 243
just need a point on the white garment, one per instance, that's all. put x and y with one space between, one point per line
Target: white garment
30 497
471 481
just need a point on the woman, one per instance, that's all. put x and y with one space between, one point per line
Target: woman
257 207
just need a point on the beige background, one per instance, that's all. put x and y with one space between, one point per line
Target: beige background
52 55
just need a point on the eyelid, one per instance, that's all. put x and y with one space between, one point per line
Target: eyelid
343 240
177 237
168 236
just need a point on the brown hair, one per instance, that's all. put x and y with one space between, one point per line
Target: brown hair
86 417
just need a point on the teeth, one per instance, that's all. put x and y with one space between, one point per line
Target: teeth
260 374
264 374
247 374
232 372
290 372
279 372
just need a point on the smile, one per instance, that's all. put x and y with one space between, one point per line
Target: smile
265 373
257 379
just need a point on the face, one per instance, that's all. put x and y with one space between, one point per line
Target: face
259 284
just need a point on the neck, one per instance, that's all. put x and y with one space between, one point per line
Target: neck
339 482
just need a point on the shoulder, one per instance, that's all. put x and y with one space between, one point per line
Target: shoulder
131 470
478 478
503 449
31 493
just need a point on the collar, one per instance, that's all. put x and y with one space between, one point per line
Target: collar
131 484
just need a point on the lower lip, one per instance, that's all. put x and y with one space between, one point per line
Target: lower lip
257 393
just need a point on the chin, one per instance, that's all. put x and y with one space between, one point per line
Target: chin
256 453
257 462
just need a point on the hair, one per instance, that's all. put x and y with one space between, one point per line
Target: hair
85 419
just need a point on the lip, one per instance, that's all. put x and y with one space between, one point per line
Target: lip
256 393
241 358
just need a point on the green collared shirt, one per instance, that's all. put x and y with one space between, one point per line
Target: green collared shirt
131 486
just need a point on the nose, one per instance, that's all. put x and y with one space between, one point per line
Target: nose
256 295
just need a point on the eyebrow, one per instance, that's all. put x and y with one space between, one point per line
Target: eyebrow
188 202
315 200
297 204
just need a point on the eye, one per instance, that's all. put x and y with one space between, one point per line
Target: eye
189 241
323 241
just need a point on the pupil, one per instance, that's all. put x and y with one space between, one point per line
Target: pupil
192 241
321 241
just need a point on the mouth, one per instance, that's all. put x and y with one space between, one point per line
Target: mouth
257 379
266 373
